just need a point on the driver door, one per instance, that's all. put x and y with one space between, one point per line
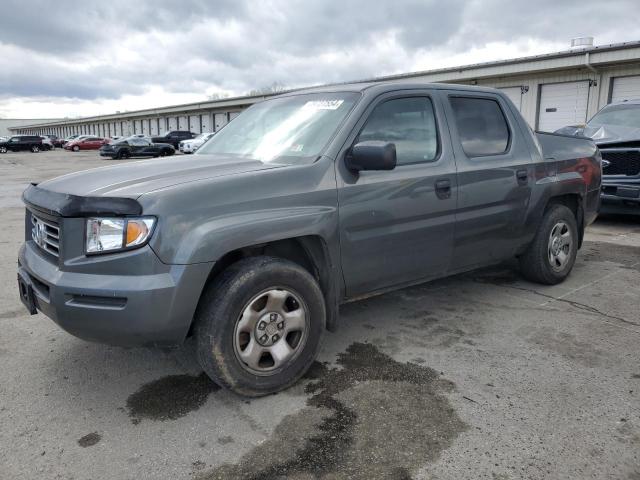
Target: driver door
397 226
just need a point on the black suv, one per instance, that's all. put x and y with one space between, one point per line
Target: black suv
22 142
174 137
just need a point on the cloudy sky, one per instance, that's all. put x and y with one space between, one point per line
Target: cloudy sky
77 58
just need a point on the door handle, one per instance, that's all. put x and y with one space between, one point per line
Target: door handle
443 188
522 176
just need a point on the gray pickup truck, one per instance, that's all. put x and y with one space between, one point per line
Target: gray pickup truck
303 202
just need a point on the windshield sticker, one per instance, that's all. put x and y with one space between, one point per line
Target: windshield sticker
296 147
323 104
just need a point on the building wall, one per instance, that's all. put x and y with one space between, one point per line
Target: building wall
608 62
6 123
599 91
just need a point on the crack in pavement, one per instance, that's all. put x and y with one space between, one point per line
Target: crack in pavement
578 305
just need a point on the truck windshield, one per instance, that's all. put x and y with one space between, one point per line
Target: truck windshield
623 115
291 129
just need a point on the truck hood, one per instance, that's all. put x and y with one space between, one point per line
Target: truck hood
611 133
133 179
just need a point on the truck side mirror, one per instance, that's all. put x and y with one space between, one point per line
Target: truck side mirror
371 155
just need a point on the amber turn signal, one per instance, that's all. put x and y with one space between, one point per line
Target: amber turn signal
137 231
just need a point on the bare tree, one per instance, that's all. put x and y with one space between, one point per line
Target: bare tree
275 87
218 96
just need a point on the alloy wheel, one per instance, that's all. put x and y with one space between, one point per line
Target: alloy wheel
559 246
271 331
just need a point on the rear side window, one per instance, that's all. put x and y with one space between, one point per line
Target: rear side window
482 127
410 124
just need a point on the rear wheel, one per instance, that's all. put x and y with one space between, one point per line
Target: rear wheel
549 259
259 325
35 148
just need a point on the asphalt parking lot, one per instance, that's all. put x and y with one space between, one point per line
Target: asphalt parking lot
482 375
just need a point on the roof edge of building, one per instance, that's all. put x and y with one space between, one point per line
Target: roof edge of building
244 99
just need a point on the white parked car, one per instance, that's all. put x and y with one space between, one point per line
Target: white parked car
190 146
47 143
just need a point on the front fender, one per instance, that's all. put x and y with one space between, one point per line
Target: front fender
203 220
216 237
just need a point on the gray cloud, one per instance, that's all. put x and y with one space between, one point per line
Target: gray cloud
192 45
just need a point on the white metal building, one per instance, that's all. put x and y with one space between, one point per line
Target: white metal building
551 91
9 125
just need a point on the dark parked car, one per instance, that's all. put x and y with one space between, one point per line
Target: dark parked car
174 137
55 140
303 202
616 131
22 142
136 147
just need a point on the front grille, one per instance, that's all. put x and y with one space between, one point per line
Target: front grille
621 162
46 234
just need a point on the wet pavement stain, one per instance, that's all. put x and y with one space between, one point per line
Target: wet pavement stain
225 440
625 255
89 440
370 418
170 397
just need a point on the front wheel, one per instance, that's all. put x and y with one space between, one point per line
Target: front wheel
3 149
76 148
549 259
259 325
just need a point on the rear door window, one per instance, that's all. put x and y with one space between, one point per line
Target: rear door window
482 127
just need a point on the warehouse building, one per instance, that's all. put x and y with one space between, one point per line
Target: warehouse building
551 91
8 126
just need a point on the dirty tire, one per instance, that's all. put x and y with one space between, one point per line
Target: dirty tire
220 310
535 263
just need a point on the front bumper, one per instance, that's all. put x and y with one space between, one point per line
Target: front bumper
155 307
186 148
620 198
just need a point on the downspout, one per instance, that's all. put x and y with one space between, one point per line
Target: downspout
589 66
597 74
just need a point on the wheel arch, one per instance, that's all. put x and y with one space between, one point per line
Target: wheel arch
311 252
574 202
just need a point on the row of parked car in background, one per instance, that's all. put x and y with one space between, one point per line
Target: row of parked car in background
138 145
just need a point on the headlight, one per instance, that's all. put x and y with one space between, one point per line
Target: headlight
115 234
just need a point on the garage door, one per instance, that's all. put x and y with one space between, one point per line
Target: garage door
625 88
182 123
173 123
194 123
220 120
514 94
206 122
563 104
